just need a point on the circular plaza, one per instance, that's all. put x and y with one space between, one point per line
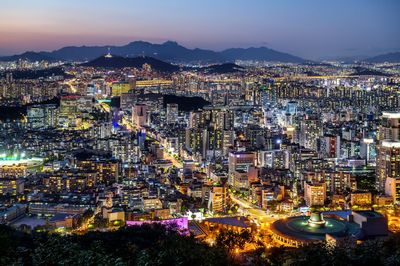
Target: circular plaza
300 230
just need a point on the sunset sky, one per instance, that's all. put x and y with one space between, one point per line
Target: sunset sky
308 28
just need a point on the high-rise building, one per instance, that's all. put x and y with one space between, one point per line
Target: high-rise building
42 116
240 162
310 131
330 146
139 115
392 189
194 139
388 162
68 110
172 113
366 146
389 128
388 150
196 119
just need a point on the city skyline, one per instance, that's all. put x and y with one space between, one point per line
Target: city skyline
359 28
258 132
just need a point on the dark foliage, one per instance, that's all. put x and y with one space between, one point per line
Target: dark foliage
145 245
18 112
157 245
185 103
36 74
222 68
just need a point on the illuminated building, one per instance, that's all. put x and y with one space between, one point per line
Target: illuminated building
240 161
139 115
218 199
361 198
12 213
43 116
336 181
291 108
310 131
126 152
389 128
68 110
367 145
62 220
69 105
267 195
18 167
128 100
114 214
388 157
107 170
118 88
330 146
153 83
151 204
213 143
392 189
256 135
388 162
172 113
277 159
196 119
315 193
71 181
228 141
194 138
290 133
46 209
11 186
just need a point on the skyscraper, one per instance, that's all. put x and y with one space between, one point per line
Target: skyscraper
388 159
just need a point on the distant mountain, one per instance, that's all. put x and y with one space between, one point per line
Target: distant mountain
30 56
169 51
261 54
138 62
390 58
222 68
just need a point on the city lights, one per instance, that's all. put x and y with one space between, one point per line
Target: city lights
267 134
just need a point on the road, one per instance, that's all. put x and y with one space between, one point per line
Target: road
260 215
70 83
175 162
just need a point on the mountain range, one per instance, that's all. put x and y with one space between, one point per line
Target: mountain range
173 52
169 51
390 58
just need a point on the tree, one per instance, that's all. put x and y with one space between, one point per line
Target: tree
100 222
231 240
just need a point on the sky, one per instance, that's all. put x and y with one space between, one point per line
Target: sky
309 28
